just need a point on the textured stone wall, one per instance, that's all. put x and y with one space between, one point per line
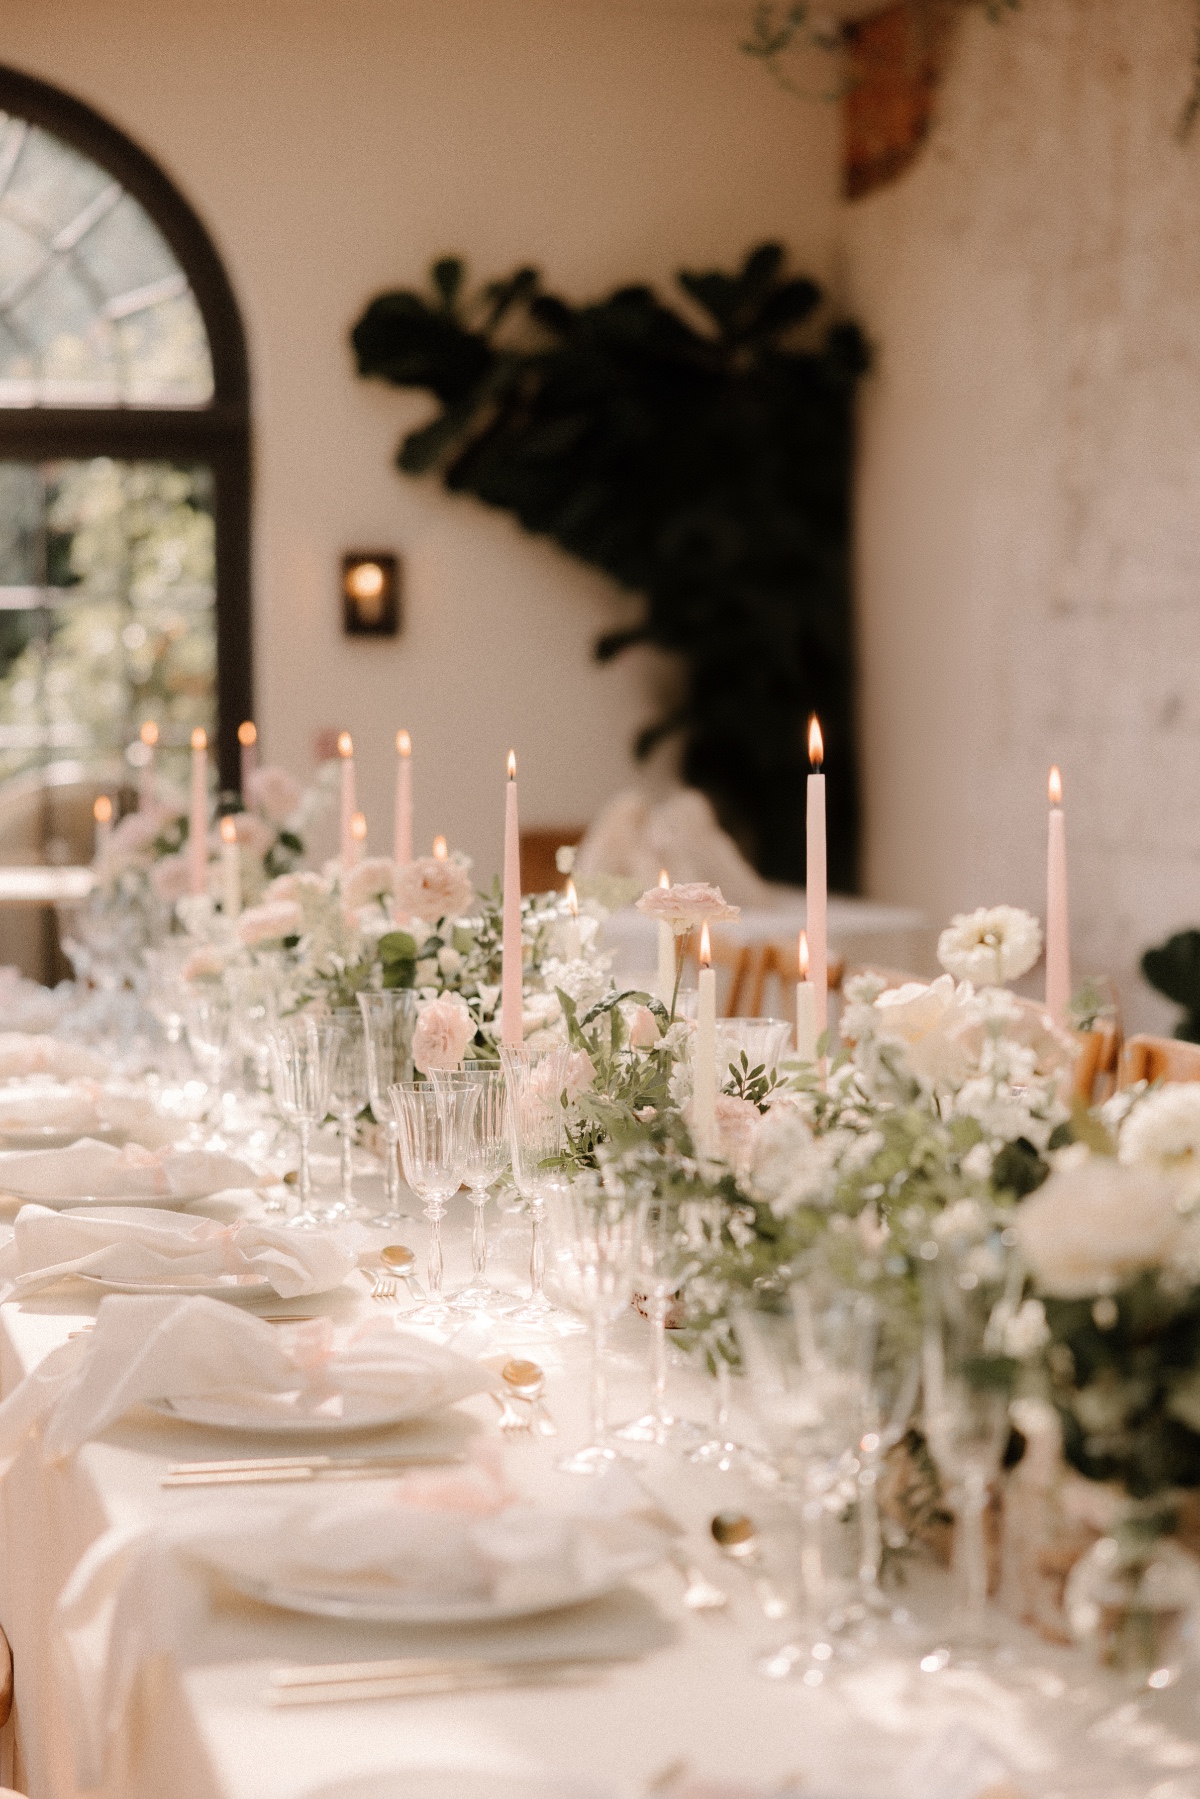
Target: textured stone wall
1029 524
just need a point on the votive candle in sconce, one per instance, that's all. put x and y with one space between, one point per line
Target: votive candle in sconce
666 953
512 1032
231 870
815 889
147 784
248 751
358 837
441 849
806 1007
403 837
349 801
102 812
704 1056
197 856
1058 919
370 594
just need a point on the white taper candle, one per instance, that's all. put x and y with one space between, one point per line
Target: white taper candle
197 848
806 1008
815 879
349 806
1058 922
231 870
512 1033
704 1062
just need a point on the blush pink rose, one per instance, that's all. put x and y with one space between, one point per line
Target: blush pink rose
444 1028
686 905
270 921
170 878
370 880
580 1074
643 1030
274 793
434 887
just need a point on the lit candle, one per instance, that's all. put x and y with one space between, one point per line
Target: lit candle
511 1030
102 812
349 801
358 837
815 880
570 941
146 783
402 841
1058 924
231 870
441 849
666 954
704 1058
248 749
198 815
806 1008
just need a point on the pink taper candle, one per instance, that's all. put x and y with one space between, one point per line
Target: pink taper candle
147 790
198 815
349 801
1058 925
815 880
402 842
511 1030
248 752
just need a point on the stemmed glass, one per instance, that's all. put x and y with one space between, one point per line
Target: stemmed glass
166 996
348 1094
538 1137
891 1379
435 1124
487 1157
388 1018
667 1255
803 1355
967 1295
594 1236
303 1056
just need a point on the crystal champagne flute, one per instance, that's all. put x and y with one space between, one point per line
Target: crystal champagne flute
537 1123
389 1018
435 1122
303 1054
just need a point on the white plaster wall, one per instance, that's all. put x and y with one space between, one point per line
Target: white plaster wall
337 148
1029 510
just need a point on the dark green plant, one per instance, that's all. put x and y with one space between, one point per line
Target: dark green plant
1174 969
706 469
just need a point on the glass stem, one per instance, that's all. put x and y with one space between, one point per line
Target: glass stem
391 1170
974 1547
870 1554
658 1363
812 1560
434 1267
304 1129
537 1255
347 1145
599 1381
478 1238
721 1420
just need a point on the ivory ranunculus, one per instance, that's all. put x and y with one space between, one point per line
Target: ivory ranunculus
1096 1223
444 1028
273 920
434 887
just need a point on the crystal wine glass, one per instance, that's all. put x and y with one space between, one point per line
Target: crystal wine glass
667 1255
389 1018
303 1056
487 1157
593 1238
802 1351
348 1094
537 1124
891 1380
435 1124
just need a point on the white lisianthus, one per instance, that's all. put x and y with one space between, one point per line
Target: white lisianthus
992 945
790 1166
1163 1129
1096 1223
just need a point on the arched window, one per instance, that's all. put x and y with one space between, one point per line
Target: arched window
124 458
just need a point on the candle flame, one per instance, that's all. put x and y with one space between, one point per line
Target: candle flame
572 900
345 744
802 956
705 947
358 827
440 848
248 734
664 879
816 743
1054 786
199 738
102 810
403 743
149 733
228 830
512 765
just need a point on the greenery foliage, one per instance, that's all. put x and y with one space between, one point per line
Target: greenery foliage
706 468
1174 969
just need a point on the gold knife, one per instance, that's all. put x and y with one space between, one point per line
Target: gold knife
297 1469
420 1686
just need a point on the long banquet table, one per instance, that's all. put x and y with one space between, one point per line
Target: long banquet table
690 1699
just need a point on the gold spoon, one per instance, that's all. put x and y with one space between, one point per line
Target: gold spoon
528 1382
737 1539
400 1257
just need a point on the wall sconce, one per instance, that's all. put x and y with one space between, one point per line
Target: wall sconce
370 594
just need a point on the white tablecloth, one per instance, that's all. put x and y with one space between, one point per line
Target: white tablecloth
200 1729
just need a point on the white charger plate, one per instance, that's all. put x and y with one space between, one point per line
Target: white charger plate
399 1608
455 1783
363 1411
235 1289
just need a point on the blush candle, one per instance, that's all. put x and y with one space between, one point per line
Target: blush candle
147 787
102 813
403 836
358 837
349 806
704 1064
815 892
512 1033
198 815
231 870
666 954
247 752
806 1007
1058 923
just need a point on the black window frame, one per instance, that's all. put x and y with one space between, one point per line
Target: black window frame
216 433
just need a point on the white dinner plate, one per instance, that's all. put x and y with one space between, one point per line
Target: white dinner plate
83 1202
456 1783
234 1287
360 1411
378 1607
56 1136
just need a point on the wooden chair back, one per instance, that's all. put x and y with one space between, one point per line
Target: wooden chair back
1097 1063
539 870
1159 1059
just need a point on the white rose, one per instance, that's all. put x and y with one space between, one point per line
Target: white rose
449 960
370 880
1094 1224
273 792
272 920
1164 1128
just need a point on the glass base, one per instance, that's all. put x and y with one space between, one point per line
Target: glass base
597 1458
724 1456
484 1301
438 1314
810 1657
665 1432
384 1221
966 1643
546 1317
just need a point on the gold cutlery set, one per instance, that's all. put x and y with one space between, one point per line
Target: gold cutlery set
415 1677
265 1470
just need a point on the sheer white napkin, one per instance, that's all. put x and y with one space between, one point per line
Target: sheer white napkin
143 1244
103 1171
452 1533
22 1054
147 1348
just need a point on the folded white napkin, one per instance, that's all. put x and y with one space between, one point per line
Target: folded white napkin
28 1006
127 1243
84 1107
103 1171
442 1534
22 1054
147 1348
